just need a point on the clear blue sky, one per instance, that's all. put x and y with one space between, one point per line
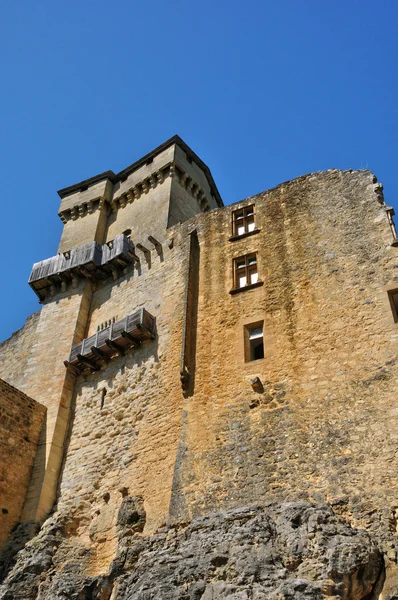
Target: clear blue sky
262 90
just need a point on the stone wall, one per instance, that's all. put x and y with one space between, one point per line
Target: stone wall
15 351
21 422
319 425
325 425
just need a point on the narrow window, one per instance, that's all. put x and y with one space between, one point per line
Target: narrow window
127 233
245 270
254 342
393 297
243 220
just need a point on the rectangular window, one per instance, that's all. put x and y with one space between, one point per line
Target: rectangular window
245 270
243 220
254 342
393 297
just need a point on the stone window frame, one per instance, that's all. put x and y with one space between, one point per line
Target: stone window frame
248 345
246 217
249 269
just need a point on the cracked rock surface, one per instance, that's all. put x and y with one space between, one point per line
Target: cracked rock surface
288 551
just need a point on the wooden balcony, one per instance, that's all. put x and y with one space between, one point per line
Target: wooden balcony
93 261
93 352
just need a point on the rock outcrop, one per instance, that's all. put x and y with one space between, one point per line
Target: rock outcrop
290 551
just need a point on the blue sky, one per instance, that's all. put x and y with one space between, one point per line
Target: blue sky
263 91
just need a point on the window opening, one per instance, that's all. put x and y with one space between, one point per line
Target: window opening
245 270
393 297
243 220
254 342
127 233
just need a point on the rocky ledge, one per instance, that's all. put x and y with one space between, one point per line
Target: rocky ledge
289 551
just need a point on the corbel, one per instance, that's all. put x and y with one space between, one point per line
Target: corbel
137 192
111 344
145 186
155 242
102 202
90 207
130 196
183 179
195 190
122 201
71 367
74 213
81 210
144 250
63 217
153 181
160 176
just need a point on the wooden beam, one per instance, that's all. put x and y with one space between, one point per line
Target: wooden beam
86 272
99 353
129 337
88 362
74 369
145 331
134 257
114 346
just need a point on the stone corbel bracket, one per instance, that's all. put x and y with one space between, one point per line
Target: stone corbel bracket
81 210
172 170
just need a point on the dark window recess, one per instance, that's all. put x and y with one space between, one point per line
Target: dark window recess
393 297
254 342
243 220
245 270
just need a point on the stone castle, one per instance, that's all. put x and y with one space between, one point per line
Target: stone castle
206 404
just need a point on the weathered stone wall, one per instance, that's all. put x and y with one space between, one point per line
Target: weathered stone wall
325 426
126 418
147 215
21 421
15 351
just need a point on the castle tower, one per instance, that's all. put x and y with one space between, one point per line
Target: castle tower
117 230
200 360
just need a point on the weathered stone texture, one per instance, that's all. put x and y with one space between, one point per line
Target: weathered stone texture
141 458
16 350
292 551
324 427
21 423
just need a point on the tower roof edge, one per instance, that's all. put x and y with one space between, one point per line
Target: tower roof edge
136 165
